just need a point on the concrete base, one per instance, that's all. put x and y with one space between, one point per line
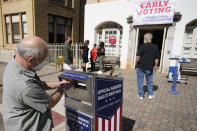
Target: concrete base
173 92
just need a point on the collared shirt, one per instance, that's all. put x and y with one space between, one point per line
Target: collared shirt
25 102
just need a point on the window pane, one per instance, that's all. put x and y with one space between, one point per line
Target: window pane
24 27
61 1
51 37
8 28
24 17
8 38
51 19
15 18
60 21
60 29
7 19
189 34
51 28
69 3
60 38
16 32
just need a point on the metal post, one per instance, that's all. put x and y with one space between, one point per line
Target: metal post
173 89
76 54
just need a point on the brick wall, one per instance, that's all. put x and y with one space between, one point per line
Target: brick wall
17 6
45 7
37 17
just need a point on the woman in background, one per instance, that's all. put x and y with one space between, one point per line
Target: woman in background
93 55
84 50
101 55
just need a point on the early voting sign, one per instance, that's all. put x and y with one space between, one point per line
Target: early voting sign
108 97
154 12
77 121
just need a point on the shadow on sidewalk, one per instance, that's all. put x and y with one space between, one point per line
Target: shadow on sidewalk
155 88
127 124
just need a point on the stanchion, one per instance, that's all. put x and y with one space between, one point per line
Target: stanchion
173 89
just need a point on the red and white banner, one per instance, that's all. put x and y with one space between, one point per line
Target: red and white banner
115 124
154 12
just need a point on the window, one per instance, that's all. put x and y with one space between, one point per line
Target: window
59 27
195 52
8 32
67 3
186 51
188 39
51 29
111 35
16 27
24 26
69 27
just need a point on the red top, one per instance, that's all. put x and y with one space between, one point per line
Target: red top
93 53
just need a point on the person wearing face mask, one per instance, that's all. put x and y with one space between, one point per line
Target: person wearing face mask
26 105
147 60
68 54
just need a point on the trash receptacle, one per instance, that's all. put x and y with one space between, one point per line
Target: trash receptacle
95 104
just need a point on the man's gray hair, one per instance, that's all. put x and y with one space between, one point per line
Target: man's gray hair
148 36
25 52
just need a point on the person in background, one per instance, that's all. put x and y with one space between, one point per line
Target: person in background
147 60
93 55
26 105
84 51
101 55
67 54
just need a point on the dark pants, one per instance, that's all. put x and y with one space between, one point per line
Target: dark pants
101 62
92 65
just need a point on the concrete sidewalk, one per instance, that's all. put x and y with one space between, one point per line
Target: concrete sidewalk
164 113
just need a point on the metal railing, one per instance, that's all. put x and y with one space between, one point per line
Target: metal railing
56 49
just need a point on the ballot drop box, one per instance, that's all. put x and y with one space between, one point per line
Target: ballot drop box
95 102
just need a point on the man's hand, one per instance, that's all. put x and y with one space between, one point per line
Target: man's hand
63 82
66 86
53 85
155 68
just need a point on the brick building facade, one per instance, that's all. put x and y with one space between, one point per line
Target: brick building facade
52 20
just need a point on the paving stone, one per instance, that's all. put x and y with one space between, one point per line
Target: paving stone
141 124
178 129
155 127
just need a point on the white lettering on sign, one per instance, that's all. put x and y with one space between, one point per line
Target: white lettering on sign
110 91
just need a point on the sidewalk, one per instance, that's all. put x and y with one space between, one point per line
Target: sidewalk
164 113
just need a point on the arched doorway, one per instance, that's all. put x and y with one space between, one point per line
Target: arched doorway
111 34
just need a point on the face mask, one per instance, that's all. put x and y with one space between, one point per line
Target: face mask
40 66
70 42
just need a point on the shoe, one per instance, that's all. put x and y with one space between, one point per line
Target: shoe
140 97
99 72
151 97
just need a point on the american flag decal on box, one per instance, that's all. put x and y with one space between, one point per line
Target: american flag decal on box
115 124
